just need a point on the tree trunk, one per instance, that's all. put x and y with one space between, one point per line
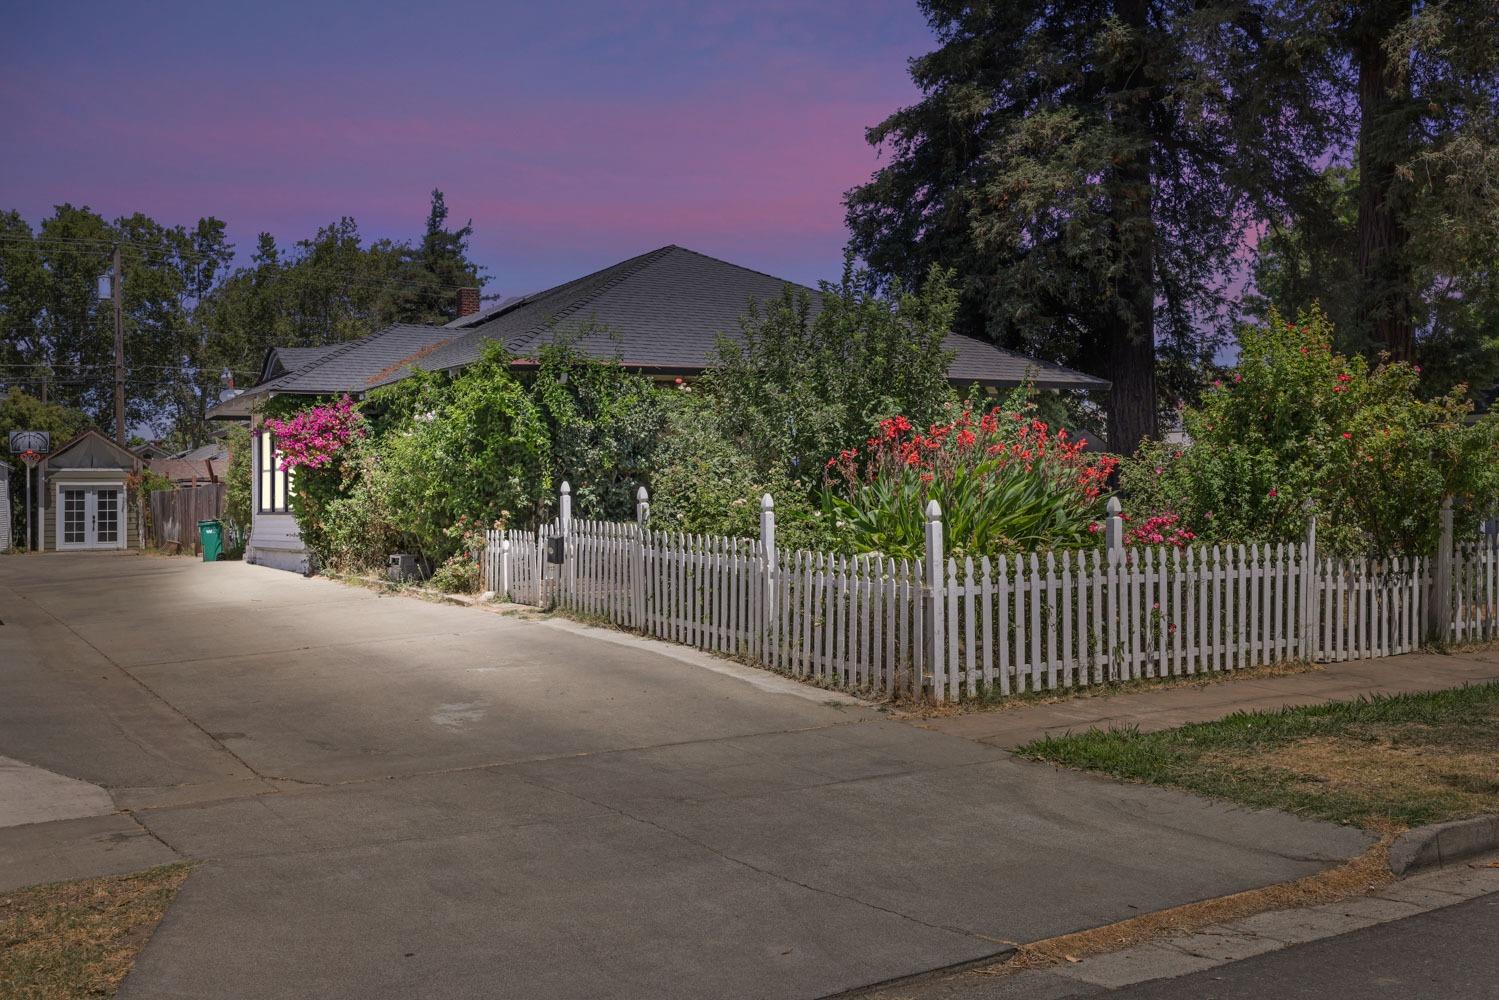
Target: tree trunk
1132 409
1385 306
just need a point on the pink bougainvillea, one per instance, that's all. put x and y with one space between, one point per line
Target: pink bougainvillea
311 438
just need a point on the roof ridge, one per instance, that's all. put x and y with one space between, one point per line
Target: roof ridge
741 267
627 268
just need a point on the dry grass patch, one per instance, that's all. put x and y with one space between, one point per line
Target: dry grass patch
1358 877
79 939
1382 763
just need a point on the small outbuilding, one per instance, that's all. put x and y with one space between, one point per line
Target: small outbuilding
85 496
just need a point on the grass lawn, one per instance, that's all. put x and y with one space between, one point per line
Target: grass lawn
1382 763
79 939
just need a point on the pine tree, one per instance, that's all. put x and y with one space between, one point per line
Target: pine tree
435 269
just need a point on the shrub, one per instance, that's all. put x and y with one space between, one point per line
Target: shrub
603 424
471 447
1295 429
800 385
459 574
237 495
704 483
1004 480
140 486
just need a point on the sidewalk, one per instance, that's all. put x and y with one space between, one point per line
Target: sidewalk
1169 707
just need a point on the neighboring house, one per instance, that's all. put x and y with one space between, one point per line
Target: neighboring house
150 450
206 464
85 502
659 314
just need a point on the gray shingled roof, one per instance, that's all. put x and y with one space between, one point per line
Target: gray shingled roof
293 358
384 356
663 311
660 312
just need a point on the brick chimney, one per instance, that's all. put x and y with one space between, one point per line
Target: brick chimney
468 302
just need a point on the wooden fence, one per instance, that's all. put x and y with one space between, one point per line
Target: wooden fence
948 628
175 515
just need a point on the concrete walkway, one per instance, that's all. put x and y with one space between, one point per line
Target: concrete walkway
1166 708
391 798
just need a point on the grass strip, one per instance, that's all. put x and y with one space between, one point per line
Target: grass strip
79 939
1386 762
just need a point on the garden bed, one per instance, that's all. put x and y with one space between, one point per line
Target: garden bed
1384 763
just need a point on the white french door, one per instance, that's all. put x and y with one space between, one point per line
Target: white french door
90 517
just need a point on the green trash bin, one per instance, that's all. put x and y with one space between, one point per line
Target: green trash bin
211 537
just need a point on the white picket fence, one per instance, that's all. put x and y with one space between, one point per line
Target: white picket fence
1030 622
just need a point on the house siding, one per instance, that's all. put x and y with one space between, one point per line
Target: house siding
275 540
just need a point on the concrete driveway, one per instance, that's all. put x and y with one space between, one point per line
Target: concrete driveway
391 798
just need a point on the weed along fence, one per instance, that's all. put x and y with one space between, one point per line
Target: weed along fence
948 628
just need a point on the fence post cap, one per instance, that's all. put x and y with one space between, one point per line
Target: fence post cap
565 487
933 510
1114 507
641 495
767 502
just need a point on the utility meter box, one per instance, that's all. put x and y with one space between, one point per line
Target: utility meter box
404 568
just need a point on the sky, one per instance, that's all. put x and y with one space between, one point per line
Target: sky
573 134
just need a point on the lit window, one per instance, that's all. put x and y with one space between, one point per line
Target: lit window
275 484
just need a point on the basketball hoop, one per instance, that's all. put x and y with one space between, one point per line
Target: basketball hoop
31 458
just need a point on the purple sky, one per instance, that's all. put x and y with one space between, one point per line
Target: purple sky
574 133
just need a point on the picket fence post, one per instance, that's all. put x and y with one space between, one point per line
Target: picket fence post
1311 595
768 570
933 595
1113 525
504 580
564 530
1439 601
642 519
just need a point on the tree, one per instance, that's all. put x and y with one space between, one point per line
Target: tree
435 269
22 412
803 383
1089 170
1413 227
331 288
60 335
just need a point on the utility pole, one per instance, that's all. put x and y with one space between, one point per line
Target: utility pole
116 286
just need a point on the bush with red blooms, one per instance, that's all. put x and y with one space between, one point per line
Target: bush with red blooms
1160 529
1005 479
1295 429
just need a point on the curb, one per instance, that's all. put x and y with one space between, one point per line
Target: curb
1443 843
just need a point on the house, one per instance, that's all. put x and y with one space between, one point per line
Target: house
206 464
150 450
659 314
84 498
